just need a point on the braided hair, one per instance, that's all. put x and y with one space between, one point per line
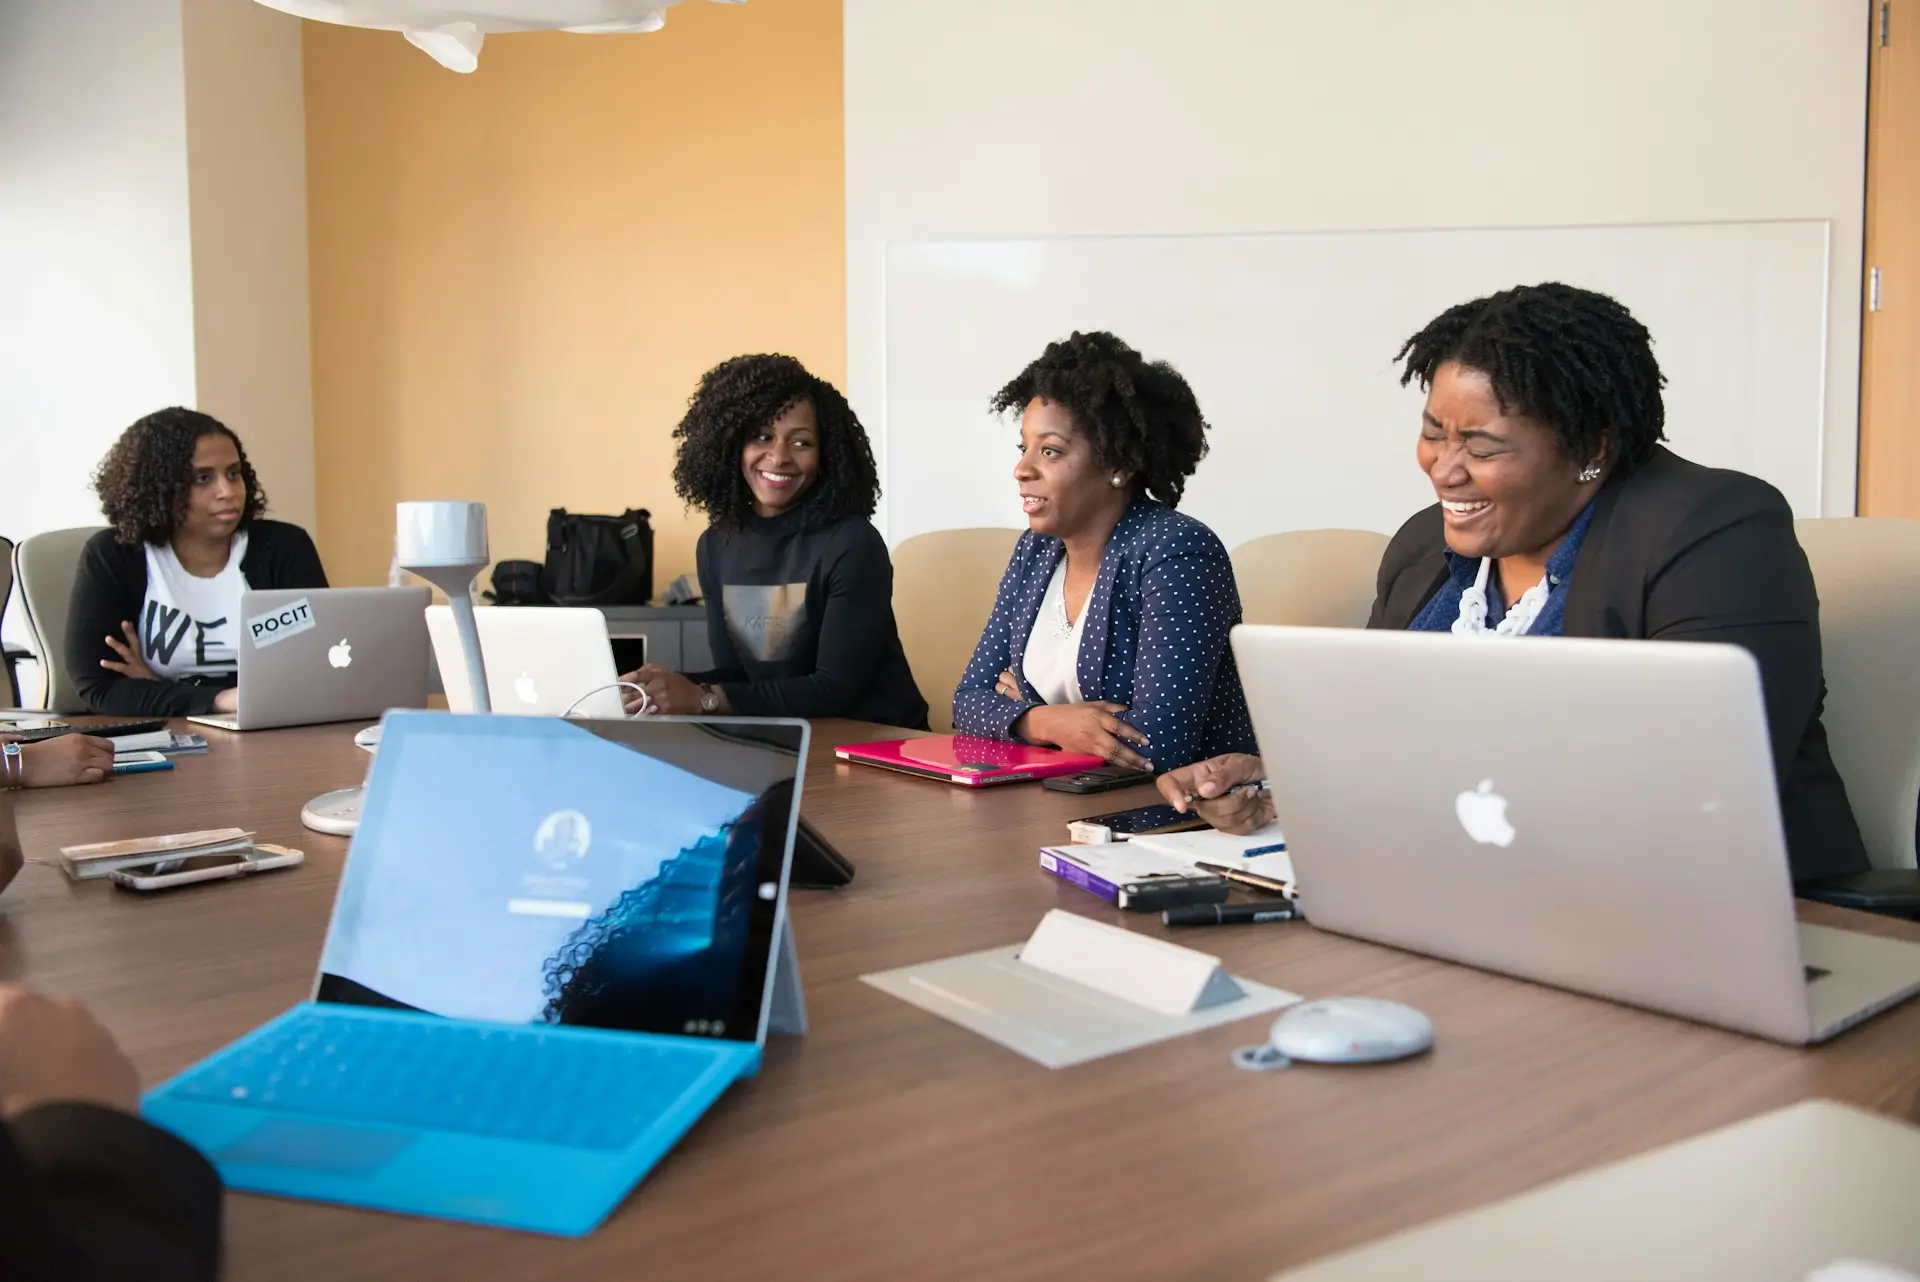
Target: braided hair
145 480
1576 360
1140 415
745 395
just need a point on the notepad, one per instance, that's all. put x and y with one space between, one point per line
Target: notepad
1263 852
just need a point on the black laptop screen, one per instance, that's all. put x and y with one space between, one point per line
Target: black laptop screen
618 874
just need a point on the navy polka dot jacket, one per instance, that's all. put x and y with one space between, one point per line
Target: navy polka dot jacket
1155 638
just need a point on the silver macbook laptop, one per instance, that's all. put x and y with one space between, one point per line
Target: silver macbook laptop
1789 1196
1596 815
328 654
541 661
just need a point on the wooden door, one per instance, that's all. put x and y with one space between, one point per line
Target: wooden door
1890 339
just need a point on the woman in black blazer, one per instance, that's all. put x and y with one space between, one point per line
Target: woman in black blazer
154 626
1561 514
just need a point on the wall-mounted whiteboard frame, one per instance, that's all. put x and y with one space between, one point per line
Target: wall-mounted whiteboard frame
1289 338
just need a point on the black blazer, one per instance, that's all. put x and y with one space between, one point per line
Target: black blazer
1680 552
111 586
92 1193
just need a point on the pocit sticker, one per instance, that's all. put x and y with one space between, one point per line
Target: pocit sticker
275 626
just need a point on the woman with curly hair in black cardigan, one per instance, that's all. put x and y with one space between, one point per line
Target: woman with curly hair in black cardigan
155 622
798 584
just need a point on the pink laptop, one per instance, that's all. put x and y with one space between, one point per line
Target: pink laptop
967 761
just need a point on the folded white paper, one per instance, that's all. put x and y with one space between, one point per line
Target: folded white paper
1056 1020
1140 969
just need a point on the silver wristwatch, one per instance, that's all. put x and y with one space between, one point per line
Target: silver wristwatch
709 701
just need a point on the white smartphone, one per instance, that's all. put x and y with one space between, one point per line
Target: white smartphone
133 763
197 868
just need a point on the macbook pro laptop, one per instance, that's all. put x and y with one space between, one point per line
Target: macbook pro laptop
555 944
311 655
965 760
1816 1192
1596 815
541 660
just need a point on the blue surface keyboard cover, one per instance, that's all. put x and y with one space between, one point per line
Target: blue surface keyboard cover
598 1091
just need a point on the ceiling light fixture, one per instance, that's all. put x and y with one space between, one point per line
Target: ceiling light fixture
452 31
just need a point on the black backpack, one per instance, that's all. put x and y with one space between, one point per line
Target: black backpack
599 560
519 583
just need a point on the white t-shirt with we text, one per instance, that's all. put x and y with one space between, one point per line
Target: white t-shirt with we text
190 626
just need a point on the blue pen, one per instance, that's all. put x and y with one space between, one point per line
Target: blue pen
1264 850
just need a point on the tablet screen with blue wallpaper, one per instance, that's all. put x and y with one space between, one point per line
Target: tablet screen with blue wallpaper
619 874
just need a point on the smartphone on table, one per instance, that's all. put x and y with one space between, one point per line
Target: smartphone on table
1143 821
1105 779
168 873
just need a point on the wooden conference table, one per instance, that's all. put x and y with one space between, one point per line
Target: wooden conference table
889 1144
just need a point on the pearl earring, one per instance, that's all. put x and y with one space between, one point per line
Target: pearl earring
1118 480
1590 474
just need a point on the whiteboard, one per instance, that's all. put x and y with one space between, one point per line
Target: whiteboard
1288 341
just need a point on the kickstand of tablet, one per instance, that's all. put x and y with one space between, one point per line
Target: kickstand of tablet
789 1013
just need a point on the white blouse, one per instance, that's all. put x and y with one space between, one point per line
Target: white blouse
1051 661
190 626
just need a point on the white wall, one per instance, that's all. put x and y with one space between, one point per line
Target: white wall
96 272
152 242
1048 118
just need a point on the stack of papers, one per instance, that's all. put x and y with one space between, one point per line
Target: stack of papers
173 745
1263 852
102 857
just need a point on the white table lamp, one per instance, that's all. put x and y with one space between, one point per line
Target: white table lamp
445 543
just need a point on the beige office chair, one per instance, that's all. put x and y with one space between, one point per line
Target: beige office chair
1309 578
45 565
943 589
1867 572
10 656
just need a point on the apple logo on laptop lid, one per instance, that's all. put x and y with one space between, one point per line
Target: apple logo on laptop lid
341 655
524 688
1483 813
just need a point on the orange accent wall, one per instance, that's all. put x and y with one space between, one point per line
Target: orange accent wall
519 275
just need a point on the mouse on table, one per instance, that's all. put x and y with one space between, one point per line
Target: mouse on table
1341 1030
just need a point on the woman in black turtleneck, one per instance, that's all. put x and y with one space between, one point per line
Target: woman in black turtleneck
798 583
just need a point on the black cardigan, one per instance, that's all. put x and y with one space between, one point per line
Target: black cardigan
88 1194
110 588
818 605
1681 552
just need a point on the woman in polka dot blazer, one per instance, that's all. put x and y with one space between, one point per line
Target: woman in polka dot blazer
1109 635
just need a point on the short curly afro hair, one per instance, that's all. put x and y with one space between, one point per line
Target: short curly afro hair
146 478
1576 360
1140 415
746 394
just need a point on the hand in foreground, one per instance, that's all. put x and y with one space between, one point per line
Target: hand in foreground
70 758
1209 783
228 700
52 1049
1008 687
127 646
1091 728
672 694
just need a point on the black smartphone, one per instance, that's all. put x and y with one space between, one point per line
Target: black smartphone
1105 779
1894 892
1144 820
